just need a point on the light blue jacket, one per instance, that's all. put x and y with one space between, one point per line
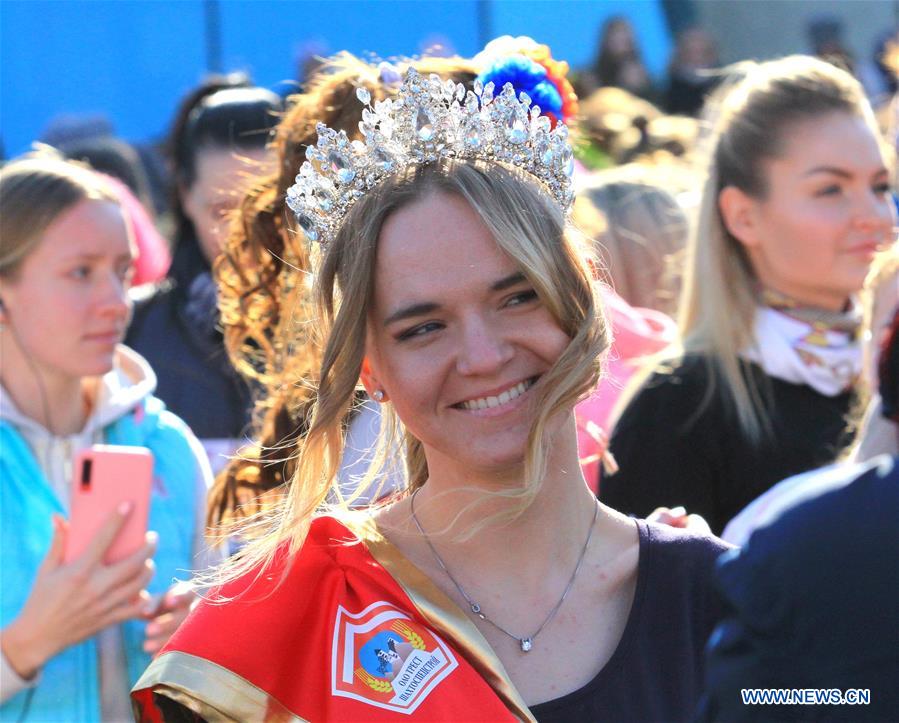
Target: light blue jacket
69 689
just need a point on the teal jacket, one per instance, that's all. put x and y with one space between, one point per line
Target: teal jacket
69 689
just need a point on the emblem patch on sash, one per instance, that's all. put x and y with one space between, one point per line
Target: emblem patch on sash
384 658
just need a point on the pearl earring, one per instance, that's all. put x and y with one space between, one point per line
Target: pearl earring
378 395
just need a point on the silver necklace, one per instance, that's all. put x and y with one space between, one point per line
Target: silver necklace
525 643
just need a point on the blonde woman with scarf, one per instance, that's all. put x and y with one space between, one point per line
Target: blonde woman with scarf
796 205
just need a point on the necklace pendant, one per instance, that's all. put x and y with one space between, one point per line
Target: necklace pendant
526 644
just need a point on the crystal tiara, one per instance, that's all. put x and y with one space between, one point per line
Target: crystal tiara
429 119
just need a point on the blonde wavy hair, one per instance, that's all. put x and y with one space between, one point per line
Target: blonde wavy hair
879 301
532 230
718 300
642 244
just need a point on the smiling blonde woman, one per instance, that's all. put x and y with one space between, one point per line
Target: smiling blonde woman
493 586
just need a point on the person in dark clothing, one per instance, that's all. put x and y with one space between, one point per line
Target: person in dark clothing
813 605
695 460
618 62
690 79
795 208
218 139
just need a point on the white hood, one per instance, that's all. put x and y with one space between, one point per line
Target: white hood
121 389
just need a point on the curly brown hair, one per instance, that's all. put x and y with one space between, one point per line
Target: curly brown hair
264 296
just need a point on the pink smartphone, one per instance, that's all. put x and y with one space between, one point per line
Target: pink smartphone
104 477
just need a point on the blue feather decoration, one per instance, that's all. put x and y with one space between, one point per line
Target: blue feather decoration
526 76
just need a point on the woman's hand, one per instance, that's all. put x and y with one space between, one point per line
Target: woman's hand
174 607
71 602
678 517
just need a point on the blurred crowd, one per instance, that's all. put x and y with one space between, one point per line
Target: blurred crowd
157 294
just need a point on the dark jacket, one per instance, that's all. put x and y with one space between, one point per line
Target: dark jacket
675 448
175 328
814 604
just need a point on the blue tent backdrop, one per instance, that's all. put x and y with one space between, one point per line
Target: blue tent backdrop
132 59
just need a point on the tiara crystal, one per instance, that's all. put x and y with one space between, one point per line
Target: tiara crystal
428 120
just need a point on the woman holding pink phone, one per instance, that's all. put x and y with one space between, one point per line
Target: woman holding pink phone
76 632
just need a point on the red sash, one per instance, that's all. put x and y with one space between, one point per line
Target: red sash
339 640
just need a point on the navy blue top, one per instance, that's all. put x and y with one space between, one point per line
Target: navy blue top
656 672
814 604
176 329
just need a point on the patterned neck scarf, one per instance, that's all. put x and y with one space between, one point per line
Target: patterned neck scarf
806 345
